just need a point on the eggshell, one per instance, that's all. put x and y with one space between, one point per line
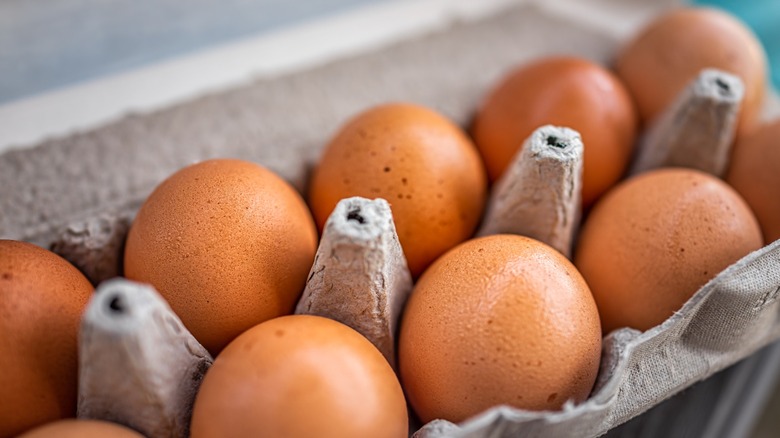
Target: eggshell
227 243
563 91
42 297
655 239
503 319
417 160
300 376
755 174
671 51
82 429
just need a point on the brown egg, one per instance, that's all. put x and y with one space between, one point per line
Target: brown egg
655 239
42 297
497 320
417 160
563 91
671 51
755 174
227 242
82 429
300 376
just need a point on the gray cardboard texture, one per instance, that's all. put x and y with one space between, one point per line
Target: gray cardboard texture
729 318
539 194
138 364
283 123
359 276
698 129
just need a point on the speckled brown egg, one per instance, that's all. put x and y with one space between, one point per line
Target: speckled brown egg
227 242
563 91
300 376
671 51
755 174
82 429
416 159
655 239
497 320
42 297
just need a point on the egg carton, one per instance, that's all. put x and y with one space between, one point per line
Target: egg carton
78 194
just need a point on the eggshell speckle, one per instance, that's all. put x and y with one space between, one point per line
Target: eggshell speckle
563 91
300 376
497 320
671 51
227 243
755 174
655 239
417 160
82 429
42 297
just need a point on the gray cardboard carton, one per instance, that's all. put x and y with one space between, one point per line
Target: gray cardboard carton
78 181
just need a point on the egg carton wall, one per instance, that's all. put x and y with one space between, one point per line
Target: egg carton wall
79 193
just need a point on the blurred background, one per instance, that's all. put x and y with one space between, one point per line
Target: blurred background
47 46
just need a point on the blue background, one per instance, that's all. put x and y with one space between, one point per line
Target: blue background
46 44
764 17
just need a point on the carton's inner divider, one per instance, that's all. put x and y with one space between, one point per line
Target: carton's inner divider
79 193
280 122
